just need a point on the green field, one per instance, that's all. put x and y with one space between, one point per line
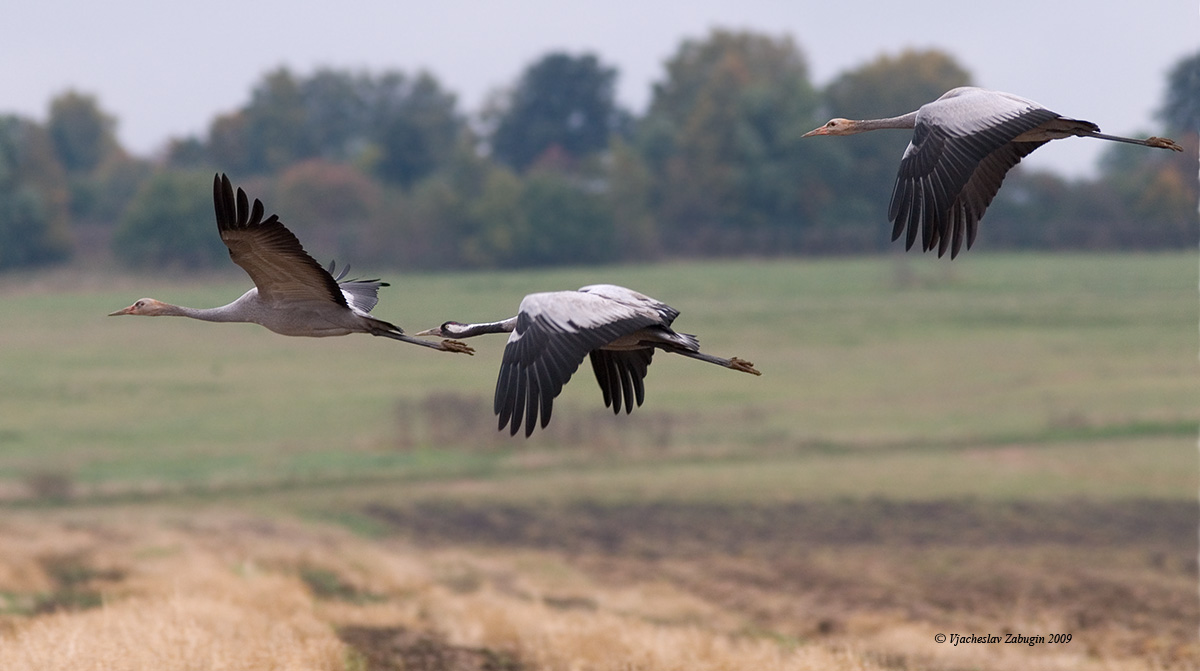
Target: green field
1006 376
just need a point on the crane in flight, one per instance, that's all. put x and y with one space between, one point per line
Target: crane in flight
292 294
617 328
962 146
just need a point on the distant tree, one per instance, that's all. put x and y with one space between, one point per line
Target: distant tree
1181 110
722 138
400 128
496 224
277 131
630 192
562 101
330 207
453 219
101 198
416 128
564 224
540 219
169 224
271 132
1156 194
886 86
84 140
34 212
83 135
187 152
228 144
1033 212
336 111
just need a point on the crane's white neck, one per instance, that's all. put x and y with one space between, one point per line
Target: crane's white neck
471 330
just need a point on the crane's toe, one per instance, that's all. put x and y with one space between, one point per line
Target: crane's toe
456 346
743 365
1164 143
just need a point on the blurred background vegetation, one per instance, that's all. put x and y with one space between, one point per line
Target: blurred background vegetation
385 169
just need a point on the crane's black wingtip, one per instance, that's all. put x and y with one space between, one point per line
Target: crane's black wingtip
223 202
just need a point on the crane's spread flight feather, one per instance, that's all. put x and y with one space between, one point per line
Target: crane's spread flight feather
268 252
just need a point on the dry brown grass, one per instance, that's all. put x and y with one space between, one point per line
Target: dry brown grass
227 593
218 591
174 606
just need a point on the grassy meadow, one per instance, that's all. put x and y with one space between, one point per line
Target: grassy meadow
1002 442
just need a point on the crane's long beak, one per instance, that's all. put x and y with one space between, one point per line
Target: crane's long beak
435 332
815 131
122 311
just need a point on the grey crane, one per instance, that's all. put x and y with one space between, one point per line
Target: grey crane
292 295
962 146
617 328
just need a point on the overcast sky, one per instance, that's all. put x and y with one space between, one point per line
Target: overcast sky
165 69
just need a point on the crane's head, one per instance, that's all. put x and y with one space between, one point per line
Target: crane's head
837 126
446 330
144 306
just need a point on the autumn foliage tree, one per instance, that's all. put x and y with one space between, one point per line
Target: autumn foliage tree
332 207
722 138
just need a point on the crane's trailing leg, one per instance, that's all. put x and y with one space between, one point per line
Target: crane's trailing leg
733 363
445 345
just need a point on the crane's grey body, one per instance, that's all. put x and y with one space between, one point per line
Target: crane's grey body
616 328
963 145
292 295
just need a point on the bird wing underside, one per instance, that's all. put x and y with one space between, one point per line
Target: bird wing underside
620 374
542 354
268 252
948 178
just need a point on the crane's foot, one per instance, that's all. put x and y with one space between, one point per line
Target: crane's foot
1163 142
743 365
456 346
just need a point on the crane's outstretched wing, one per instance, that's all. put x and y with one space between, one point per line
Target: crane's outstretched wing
961 149
553 334
268 252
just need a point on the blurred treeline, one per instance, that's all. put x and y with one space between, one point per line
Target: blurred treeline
386 169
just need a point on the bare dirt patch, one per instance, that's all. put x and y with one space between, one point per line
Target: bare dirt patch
400 649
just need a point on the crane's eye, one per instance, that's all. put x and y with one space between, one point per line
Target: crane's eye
139 304
831 124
